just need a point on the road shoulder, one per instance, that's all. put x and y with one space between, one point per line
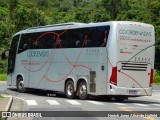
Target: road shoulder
5 104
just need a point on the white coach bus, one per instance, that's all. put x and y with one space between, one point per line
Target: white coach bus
107 58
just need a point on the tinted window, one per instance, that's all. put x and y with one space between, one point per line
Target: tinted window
72 38
37 41
12 54
85 37
24 42
44 40
96 36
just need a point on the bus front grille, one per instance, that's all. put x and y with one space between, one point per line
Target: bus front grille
134 66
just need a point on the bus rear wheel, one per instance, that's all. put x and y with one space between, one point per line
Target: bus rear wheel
69 90
20 85
82 91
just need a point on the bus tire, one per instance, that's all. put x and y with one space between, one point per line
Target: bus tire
69 90
20 85
83 95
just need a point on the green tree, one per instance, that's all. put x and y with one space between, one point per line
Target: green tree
136 11
16 15
154 6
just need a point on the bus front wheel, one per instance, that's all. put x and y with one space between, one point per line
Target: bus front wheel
69 90
83 91
20 85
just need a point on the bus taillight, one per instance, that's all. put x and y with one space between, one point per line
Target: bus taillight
151 78
113 78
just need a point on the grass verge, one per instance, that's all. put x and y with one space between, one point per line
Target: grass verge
1 97
156 77
3 77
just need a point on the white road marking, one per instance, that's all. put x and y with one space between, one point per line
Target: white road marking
18 98
119 104
31 102
95 102
140 104
53 102
73 102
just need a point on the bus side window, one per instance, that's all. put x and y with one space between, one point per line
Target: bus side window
71 39
102 34
32 38
42 41
74 38
91 39
105 38
24 43
63 40
78 38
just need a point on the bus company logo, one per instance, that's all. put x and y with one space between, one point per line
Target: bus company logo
145 60
134 32
44 53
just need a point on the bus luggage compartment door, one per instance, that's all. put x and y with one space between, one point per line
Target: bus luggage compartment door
133 75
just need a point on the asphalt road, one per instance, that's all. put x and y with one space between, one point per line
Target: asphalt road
43 101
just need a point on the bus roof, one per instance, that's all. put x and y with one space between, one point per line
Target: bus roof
77 25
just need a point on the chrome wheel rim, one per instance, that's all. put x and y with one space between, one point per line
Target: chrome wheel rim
20 85
70 89
83 90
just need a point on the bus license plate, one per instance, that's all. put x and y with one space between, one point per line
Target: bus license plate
133 92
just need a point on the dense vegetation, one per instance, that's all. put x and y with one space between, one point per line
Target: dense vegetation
16 15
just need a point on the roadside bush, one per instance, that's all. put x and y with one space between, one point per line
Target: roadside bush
3 64
3 76
3 68
156 77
